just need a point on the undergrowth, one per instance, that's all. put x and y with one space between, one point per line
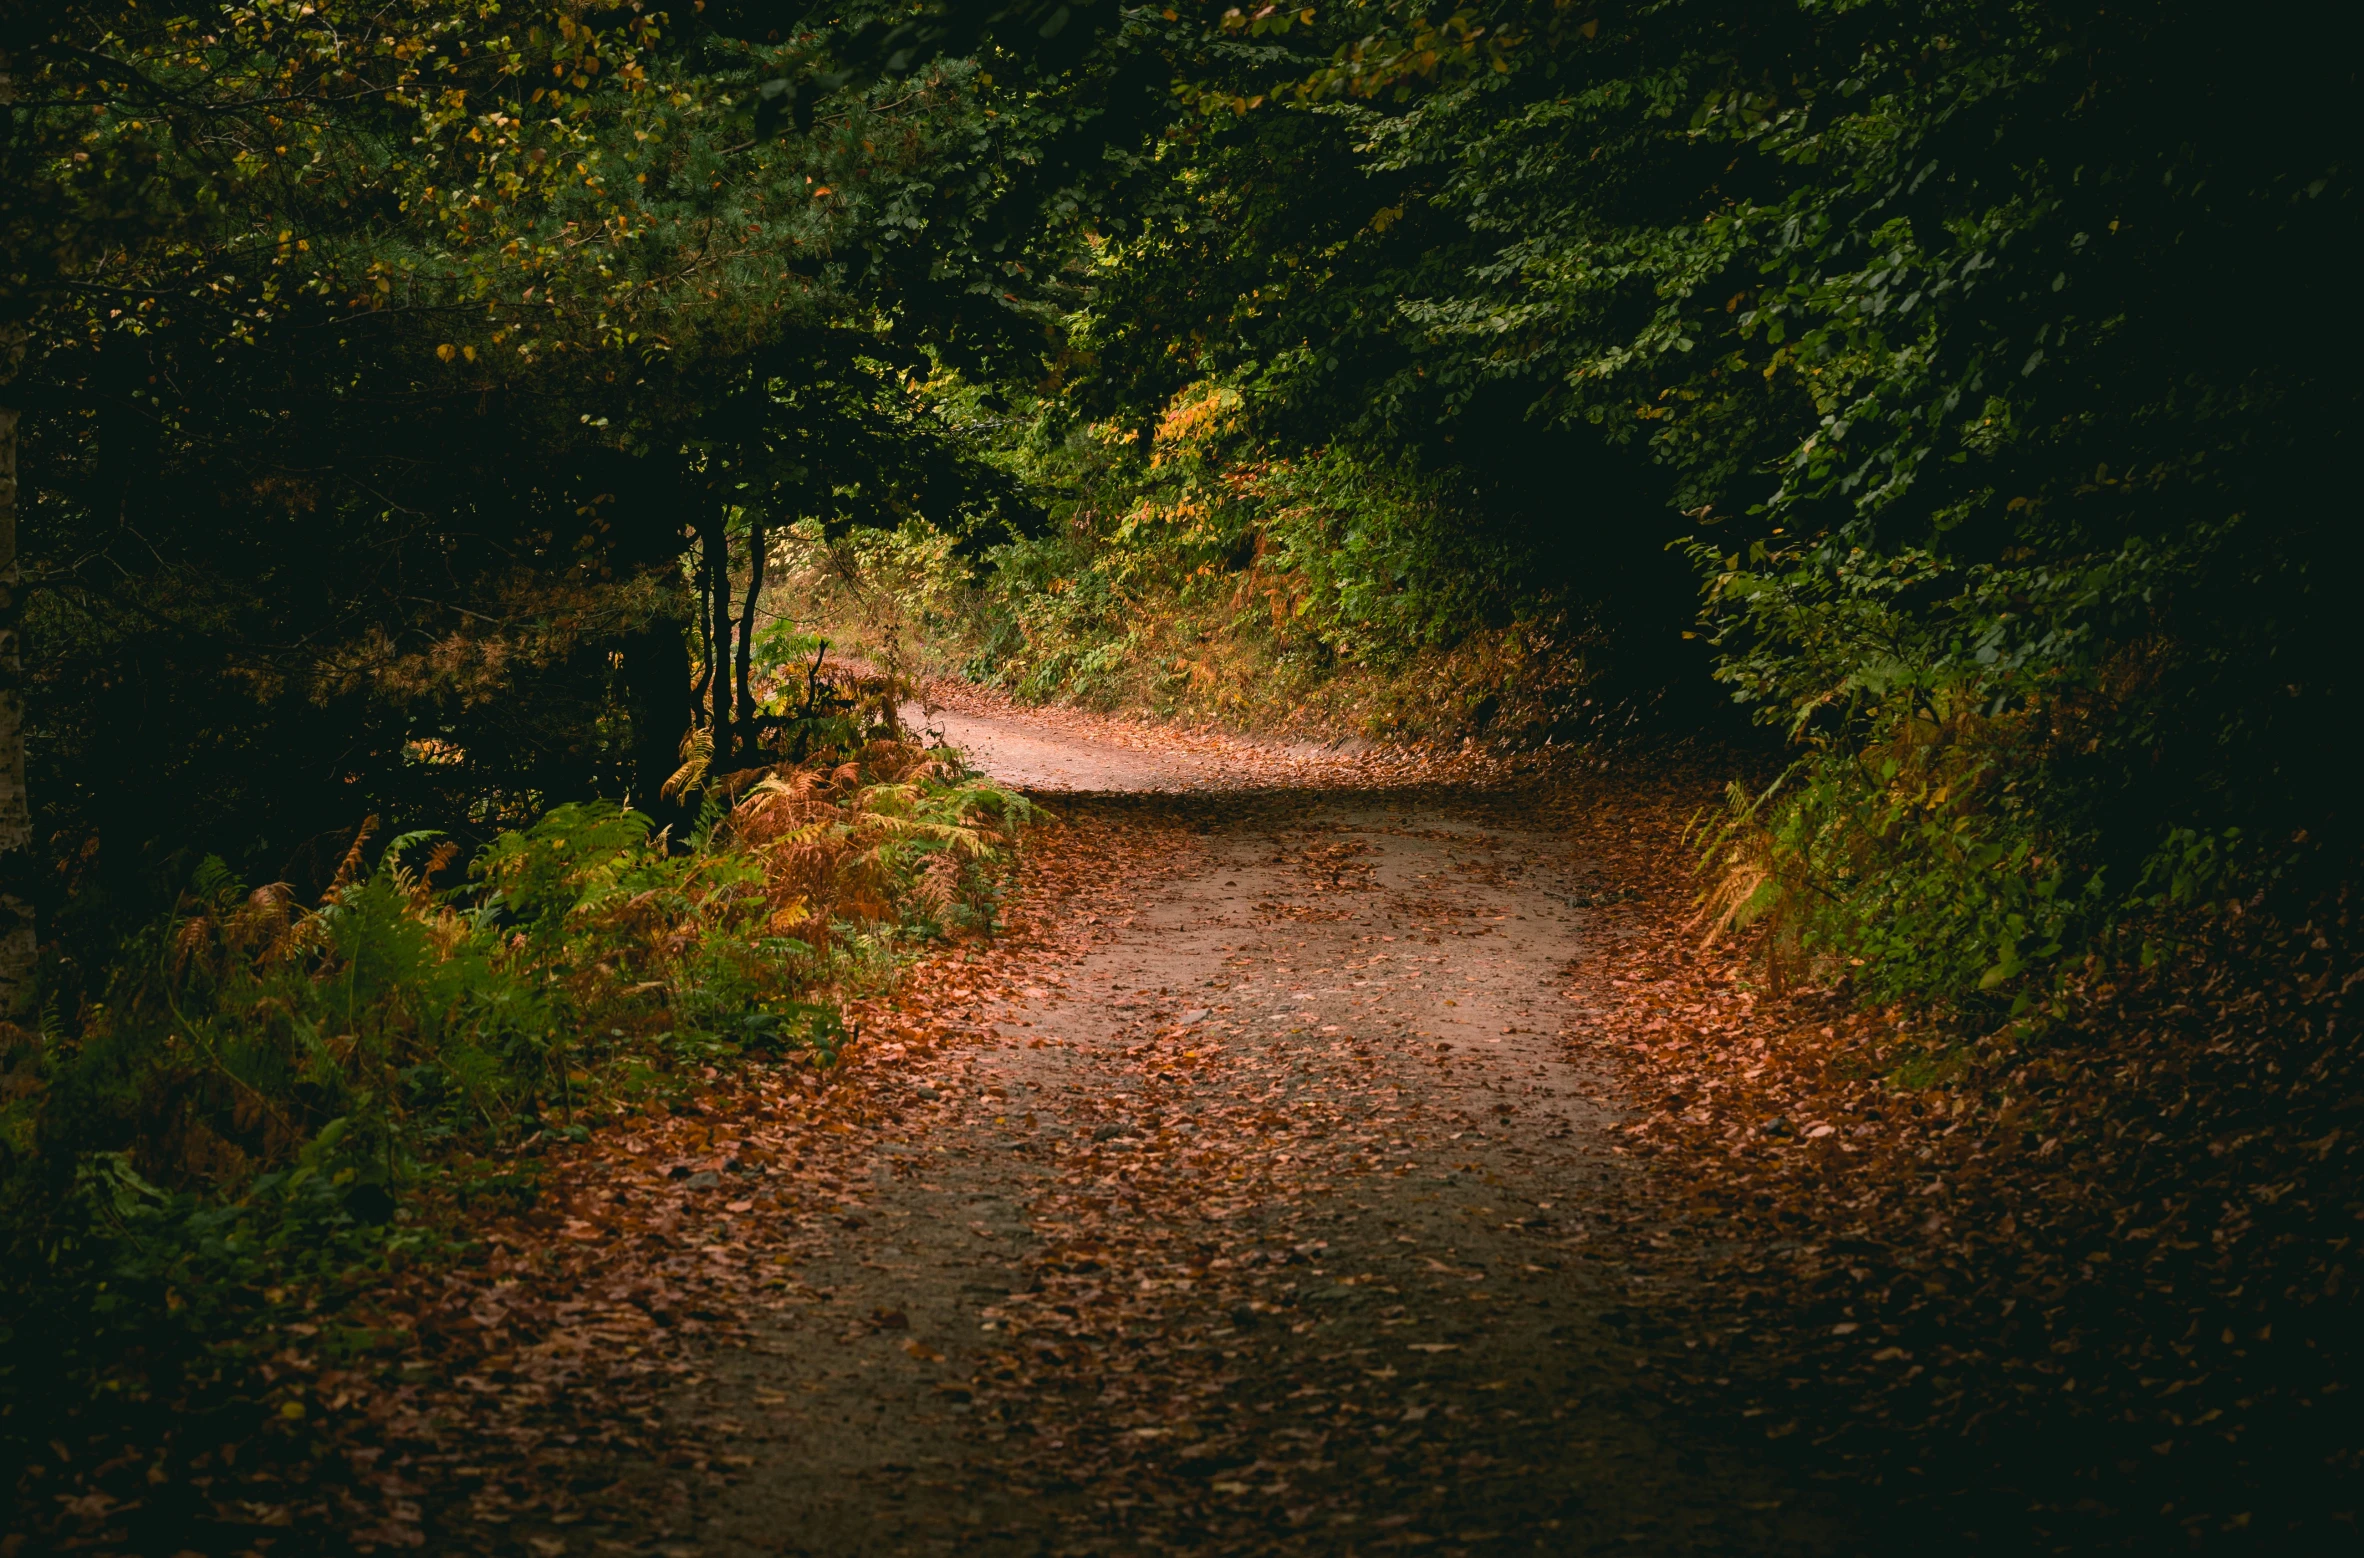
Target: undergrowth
1955 826
276 1104
1199 577
2077 1283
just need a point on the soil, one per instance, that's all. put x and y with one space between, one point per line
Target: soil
1342 1151
1276 1207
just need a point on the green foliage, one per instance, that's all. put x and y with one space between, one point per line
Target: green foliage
1977 344
380 365
265 1092
1196 573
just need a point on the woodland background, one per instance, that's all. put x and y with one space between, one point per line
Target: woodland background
466 422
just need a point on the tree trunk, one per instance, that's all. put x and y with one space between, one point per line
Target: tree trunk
703 591
747 633
657 695
717 541
18 946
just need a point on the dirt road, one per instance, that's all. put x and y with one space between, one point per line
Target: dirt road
1266 1209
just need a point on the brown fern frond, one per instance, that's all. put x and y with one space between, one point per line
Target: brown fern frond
263 920
1754 884
740 779
273 902
420 889
865 903
191 943
308 934
798 785
697 751
938 887
447 930
1734 901
350 866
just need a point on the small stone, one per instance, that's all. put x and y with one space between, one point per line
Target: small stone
704 1179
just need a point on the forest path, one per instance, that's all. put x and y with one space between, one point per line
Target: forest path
1036 755
1265 1214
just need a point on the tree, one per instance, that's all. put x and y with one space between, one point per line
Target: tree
1978 346
367 354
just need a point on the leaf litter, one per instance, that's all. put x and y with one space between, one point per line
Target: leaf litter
1266 1246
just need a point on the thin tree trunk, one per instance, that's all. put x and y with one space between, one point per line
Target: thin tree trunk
656 670
747 632
18 946
718 631
703 590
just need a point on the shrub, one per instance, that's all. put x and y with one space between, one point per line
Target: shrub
264 1085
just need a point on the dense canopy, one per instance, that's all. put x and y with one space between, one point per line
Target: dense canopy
1934 411
1974 360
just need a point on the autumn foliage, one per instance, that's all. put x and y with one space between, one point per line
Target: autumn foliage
268 1086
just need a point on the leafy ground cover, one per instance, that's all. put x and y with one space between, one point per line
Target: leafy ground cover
284 1126
1193 1209
2081 1281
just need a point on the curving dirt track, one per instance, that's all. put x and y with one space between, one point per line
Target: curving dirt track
1257 1199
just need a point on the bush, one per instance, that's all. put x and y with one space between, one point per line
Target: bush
263 1087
